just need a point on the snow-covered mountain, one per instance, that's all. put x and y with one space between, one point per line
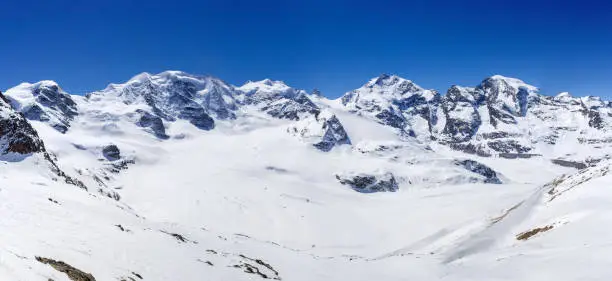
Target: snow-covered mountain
501 116
44 101
174 176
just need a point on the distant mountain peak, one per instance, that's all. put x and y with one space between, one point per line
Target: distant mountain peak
387 80
513 82
265 84
563 95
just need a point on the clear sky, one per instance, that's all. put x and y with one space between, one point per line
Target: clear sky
332 45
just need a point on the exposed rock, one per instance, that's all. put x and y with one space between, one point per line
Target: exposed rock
180 238
391 118
73 273
462 118
481 169
323 130
528 234
508 146
569 163
198 117
368 183
16 133
46 102
111 152
471 148
257 267
154 123
518 155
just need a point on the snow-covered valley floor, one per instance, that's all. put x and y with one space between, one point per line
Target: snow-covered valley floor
200 207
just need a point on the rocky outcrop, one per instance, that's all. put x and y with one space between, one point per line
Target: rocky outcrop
490 176
16 134
111 152
153 123
368 183
334 133
323 130
72 272
460 111
570 163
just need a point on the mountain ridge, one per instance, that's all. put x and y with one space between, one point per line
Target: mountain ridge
497 117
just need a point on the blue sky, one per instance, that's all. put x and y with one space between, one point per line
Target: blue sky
335 46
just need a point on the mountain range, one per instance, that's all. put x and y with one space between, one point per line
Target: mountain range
174 176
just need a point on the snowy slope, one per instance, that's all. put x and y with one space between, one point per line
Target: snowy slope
175 176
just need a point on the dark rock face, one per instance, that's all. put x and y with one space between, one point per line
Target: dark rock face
198 117
471 148
595 120
569 163
391 118
73 273
16 134
291 109
154 123
481 169
459 130
111 152
370 183
508 146
521 97
462 118
334 134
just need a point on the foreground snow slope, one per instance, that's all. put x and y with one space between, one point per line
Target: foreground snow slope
281 208
283 186
298 220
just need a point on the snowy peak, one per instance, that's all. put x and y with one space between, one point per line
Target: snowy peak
563 96
393 101
278 100
44 101
392 85
500 116
258 91
513 82
506 94
169 96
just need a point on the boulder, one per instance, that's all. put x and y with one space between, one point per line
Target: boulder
111 152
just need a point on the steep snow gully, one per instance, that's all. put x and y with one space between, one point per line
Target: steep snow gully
174 176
